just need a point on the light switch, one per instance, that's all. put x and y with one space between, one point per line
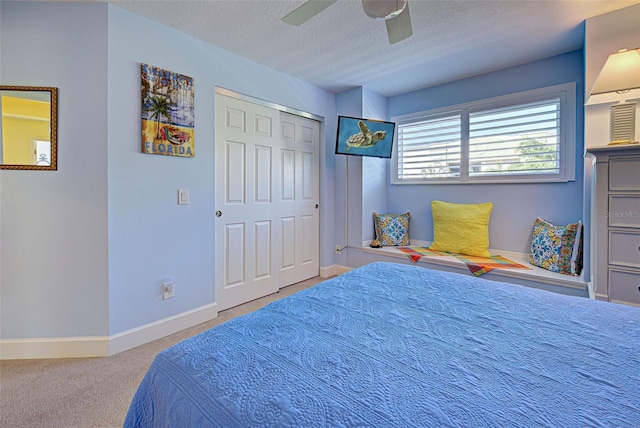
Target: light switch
183 196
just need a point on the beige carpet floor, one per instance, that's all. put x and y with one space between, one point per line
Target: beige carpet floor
92 392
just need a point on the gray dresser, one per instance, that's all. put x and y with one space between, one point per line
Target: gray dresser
615 223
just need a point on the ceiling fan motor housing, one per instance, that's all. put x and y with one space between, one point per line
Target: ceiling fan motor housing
383 9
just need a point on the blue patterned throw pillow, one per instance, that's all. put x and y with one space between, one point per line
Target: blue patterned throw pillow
557 248
392 229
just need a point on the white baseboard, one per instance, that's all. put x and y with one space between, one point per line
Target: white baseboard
59 347
84 347
149 332
333 270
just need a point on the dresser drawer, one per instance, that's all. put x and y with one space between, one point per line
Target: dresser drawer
624 286
624 211
624 248
624 174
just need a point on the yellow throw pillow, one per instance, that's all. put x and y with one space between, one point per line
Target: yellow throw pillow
461 228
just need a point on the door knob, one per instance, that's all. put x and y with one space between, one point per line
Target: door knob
317 206
218 213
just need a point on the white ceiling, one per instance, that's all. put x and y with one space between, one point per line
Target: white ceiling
342 48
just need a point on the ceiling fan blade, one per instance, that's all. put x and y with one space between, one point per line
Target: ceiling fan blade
399 28
307 11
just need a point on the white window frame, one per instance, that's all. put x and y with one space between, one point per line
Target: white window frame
567 142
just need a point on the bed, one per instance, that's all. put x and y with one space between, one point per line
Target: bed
393 345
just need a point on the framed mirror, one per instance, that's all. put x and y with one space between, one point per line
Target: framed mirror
29 128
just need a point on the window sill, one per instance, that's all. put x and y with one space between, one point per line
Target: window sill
535 275
488 181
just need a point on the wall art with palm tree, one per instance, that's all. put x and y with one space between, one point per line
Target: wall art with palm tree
167 112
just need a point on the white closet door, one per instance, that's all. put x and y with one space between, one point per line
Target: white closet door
247 230
267 191
299 213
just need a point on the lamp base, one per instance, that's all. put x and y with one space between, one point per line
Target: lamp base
622 122
622 142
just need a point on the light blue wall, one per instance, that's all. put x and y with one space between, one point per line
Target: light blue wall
85 248
362 181
150 236
348 189
375 171
53 224
516 206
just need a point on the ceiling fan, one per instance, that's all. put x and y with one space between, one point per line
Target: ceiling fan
395 13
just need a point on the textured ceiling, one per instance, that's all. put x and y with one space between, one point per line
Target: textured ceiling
342 48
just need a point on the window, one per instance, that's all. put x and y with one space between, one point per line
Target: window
523 137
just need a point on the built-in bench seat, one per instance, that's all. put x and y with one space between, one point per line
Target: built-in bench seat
535 277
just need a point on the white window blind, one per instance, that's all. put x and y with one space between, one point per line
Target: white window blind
521 137
430 148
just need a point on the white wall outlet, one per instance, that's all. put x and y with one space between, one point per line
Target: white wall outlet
183 196
338 249
168 289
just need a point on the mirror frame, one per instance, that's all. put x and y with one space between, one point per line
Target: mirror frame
53 127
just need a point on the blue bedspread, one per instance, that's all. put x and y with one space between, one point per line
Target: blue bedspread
391 345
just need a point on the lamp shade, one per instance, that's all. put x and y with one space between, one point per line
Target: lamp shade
620 73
